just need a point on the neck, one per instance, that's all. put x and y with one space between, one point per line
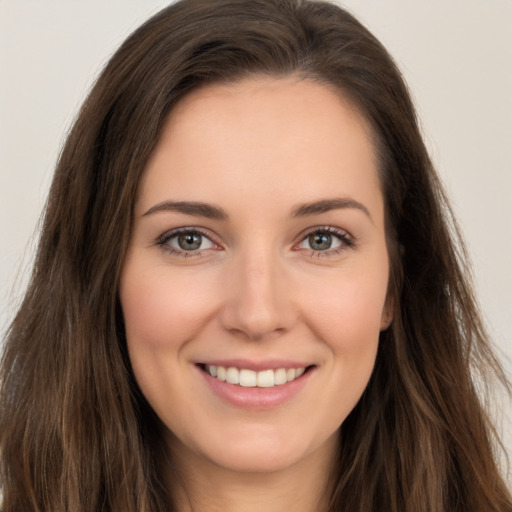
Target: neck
206 487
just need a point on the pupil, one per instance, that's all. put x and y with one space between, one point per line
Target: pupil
320 241
189 241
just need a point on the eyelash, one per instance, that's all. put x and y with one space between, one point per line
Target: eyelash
164 240
346 241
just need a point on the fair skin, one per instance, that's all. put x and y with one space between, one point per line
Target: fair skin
279 271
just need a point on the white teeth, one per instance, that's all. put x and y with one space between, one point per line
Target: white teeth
232 376
247 378
266 379
221 372
250 379
280 377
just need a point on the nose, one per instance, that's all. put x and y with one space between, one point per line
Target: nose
258 300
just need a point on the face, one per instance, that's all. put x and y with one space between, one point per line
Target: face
255 285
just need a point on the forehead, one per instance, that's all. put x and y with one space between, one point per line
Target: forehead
248 139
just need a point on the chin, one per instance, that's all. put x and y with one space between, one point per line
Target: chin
260 449
258 458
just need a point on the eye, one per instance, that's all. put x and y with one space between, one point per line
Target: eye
326 240
320 242
186 242
190 241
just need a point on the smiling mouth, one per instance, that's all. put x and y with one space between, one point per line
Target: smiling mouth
254 379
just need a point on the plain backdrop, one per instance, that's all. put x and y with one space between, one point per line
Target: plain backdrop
456 56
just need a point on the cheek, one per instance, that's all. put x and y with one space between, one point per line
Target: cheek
350 325
348 313
347 317
163 309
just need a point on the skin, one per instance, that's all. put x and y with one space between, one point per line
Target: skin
256 289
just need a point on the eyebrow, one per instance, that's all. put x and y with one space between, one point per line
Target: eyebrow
195 208
209 211
326 205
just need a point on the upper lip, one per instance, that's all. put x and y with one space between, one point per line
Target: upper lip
267 364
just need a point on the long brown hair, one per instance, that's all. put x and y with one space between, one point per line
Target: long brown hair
76 435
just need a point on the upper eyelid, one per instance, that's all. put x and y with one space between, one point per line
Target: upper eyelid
186 229
342 233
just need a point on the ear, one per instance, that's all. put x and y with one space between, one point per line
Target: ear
387 313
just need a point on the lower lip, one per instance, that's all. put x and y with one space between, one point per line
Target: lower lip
256 398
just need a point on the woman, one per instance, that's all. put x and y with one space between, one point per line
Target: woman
247 294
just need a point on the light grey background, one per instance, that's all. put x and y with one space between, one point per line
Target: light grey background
455 54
